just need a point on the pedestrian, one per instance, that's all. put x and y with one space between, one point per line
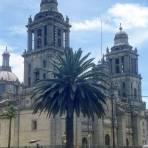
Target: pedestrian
37 146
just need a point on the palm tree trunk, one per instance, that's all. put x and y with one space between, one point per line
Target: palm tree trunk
69 132
9 138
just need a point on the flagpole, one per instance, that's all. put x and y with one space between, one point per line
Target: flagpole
101 36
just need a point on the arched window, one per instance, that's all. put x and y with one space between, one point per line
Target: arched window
107 139
29 81
39 43
64 39
45 35
37 75
122 65
44 63
59 38
131 86
44 76
39 32
127 142
123 89
117 67
135 93
34 125
29 74
29 69
59 42
123 85
59 33
84 143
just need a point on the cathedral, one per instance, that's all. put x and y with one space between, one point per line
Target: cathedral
126 119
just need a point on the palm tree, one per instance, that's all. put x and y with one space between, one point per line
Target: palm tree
74 89
9 113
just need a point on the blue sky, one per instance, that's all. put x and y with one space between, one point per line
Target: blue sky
85 18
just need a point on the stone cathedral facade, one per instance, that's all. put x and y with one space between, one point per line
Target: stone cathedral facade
126 116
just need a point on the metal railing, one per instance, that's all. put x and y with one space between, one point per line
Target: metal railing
78 146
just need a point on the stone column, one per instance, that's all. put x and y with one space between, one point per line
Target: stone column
52 131
126 64
58 130
54 38
98 136
130 65
139 90
29 40
35 39
67 39
120 64
50 35
136 66
62 38
136 131
113 67
121 131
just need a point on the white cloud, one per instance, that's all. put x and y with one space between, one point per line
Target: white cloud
18 30
90 25
131 15
17 63
134 19
3 45
139 37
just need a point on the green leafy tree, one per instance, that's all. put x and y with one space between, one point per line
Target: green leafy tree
9 113
74 89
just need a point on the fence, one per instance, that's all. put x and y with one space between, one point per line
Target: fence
91 146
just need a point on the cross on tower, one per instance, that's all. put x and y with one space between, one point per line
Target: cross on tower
120 28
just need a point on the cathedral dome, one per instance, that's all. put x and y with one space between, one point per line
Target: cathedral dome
5 71
121 37
8 76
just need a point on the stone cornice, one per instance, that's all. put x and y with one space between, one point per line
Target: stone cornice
35 52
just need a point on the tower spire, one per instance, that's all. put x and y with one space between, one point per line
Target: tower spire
120 28
6 56
49 5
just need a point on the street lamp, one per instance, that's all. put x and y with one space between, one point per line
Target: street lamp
113 99
89 139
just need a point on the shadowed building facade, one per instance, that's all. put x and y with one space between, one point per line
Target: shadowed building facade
49 35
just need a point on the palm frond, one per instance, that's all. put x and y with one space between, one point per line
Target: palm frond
76 88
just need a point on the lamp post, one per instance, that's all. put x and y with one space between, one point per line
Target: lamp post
113 121
113 99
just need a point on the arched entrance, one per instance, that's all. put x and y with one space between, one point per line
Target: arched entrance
107 139
84 143
127 142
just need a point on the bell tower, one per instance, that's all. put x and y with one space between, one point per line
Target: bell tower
123 61
48 35
5 64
